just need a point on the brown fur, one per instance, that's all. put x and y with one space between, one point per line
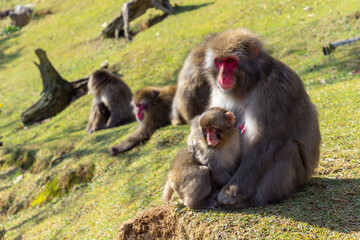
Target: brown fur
282 137
192 95
158 103
110 90
200 171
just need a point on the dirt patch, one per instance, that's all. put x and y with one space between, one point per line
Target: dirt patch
9 205
172 221
156 223
19 157
82 174
170 141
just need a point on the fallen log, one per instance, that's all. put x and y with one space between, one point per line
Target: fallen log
130 11
56 95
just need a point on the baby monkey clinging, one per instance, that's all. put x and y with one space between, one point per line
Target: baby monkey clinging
212 157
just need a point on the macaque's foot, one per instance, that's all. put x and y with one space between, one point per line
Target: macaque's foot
176 121
114 151
89 131
228 196
213 204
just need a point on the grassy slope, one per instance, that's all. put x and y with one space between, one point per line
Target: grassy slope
133 181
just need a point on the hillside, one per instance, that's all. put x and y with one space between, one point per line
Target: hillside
50 202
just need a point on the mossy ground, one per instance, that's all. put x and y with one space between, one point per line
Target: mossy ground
69 31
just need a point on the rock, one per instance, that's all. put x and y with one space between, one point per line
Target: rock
308 9
18 179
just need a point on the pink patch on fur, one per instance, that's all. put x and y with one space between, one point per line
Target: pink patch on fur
242 128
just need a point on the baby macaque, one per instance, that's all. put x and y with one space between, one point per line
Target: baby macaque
211 159
98 118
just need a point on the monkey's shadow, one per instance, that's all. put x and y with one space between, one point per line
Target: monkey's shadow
324 202
4 46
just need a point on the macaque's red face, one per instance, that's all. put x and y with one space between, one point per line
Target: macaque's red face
217 126
139 113
226 67
212 136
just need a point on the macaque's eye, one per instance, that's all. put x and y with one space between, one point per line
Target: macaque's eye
212 129
230 60
217 61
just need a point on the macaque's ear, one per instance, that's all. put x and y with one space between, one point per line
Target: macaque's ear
155 93
230 117
255 50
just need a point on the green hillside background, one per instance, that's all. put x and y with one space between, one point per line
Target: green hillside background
89 193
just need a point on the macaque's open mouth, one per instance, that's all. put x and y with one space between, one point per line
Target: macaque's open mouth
211 137
140 114
212 142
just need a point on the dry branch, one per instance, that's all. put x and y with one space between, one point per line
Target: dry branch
132 10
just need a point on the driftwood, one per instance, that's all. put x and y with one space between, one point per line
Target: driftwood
328 49
56 95
130 11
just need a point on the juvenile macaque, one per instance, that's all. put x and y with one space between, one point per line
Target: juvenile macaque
280 128
109 90
152 109
98 117
212 157
193 92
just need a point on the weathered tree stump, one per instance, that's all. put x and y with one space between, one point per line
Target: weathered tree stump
130 11
21 15
56 95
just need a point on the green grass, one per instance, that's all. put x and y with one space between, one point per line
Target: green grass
328 208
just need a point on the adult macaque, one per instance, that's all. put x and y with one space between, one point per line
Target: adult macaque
98 117
281 133
110 90
193 92
152 109
212 157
